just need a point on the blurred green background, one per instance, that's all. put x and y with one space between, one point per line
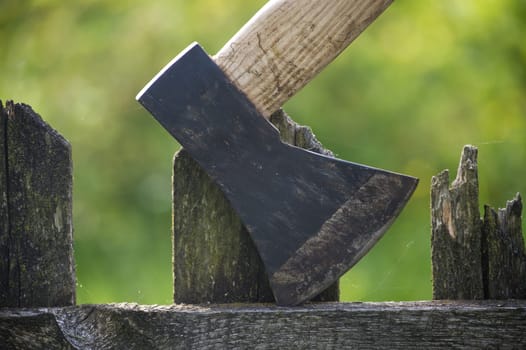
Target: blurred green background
426 78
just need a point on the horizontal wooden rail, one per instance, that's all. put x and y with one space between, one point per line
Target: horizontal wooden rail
401 325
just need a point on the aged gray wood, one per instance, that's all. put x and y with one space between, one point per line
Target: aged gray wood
456 232
36 238
407 325
504 257
4 218
474 258
302 136
297 135
214 259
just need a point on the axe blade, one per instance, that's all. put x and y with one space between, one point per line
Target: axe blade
311 217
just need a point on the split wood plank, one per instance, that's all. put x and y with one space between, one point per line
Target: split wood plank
36 239
215 261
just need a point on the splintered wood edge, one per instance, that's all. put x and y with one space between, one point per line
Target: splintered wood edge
474 257
456 232
504 252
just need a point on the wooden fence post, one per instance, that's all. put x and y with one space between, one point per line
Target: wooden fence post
503 253
36 245
215 260
474 258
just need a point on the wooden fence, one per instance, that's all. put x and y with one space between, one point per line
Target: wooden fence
479 268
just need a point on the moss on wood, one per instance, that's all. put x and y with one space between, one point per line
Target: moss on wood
37 245
215 260
474 258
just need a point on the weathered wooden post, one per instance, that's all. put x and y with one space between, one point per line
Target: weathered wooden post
36 244
474 257
214 258
503 253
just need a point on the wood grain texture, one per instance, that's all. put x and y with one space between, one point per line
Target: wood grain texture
36 243
4 212
503 252
408 325
215 261
456 235
288 42
474 258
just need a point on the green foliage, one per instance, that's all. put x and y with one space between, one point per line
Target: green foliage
426 78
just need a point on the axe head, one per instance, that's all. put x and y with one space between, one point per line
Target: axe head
311 217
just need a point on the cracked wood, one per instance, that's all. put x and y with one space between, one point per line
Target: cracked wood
474 257
405 325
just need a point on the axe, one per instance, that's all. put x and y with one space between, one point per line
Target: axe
310 216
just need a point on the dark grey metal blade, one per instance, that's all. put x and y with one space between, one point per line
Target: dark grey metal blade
311 217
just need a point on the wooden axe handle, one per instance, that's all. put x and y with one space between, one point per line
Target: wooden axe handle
288 42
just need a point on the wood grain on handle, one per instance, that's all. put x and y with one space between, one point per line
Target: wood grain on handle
288 42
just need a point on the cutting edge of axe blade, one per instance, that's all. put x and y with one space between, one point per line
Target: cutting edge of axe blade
311 217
